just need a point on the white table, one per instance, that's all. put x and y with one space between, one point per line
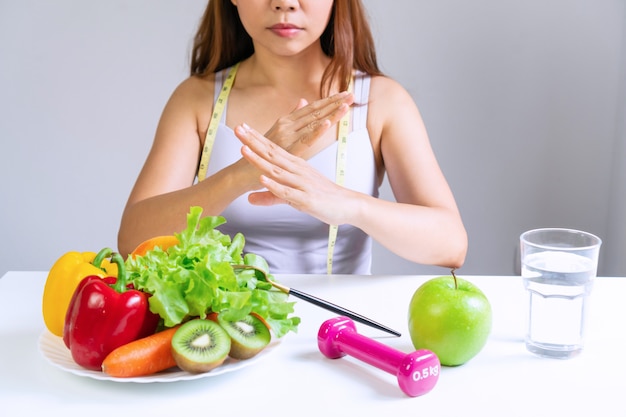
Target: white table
296 379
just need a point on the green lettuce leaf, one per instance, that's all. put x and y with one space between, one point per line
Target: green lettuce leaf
207 272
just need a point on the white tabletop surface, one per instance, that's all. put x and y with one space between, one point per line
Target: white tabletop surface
296 379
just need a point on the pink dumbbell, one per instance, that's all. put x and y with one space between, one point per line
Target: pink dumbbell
417 372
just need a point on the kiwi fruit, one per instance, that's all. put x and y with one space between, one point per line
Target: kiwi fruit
200 345
248 336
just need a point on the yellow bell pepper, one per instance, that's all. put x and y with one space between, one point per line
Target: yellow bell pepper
62 280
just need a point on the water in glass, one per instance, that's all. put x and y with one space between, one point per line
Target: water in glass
559 285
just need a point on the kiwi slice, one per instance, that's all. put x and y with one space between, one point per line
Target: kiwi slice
200 345
248 336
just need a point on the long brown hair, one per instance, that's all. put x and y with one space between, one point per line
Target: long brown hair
221 41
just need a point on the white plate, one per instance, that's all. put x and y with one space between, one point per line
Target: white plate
55 351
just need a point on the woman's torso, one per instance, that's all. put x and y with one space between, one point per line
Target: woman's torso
291 241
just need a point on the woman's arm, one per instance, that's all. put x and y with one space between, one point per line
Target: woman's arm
163 191
425 226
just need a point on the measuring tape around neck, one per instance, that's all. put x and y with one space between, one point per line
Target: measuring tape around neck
340 170
209 139
340 174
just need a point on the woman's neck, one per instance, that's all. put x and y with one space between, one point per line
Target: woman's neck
284 73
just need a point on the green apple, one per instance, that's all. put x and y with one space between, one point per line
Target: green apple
451 317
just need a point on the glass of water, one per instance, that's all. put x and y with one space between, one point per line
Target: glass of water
558 270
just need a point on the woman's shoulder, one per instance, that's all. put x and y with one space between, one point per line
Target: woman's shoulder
387 90
387 96
391 108
190 102
195 87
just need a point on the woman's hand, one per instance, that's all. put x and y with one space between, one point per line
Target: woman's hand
289 179
299 131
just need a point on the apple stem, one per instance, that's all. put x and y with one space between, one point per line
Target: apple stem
456 286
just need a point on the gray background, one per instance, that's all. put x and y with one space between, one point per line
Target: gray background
524 102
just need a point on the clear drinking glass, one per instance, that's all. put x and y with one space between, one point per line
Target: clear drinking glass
558 269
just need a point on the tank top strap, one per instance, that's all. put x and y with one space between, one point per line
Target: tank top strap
361 97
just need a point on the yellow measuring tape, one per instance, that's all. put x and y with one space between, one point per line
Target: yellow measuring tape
340 170
340 174
209 139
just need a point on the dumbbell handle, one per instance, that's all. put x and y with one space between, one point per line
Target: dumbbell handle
417 372
370 351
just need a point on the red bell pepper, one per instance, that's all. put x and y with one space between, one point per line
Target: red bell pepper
103 314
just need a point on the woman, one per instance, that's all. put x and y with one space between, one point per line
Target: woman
282 189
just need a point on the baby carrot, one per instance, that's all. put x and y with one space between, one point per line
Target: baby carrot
141 357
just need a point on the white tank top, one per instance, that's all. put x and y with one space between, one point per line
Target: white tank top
293 242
